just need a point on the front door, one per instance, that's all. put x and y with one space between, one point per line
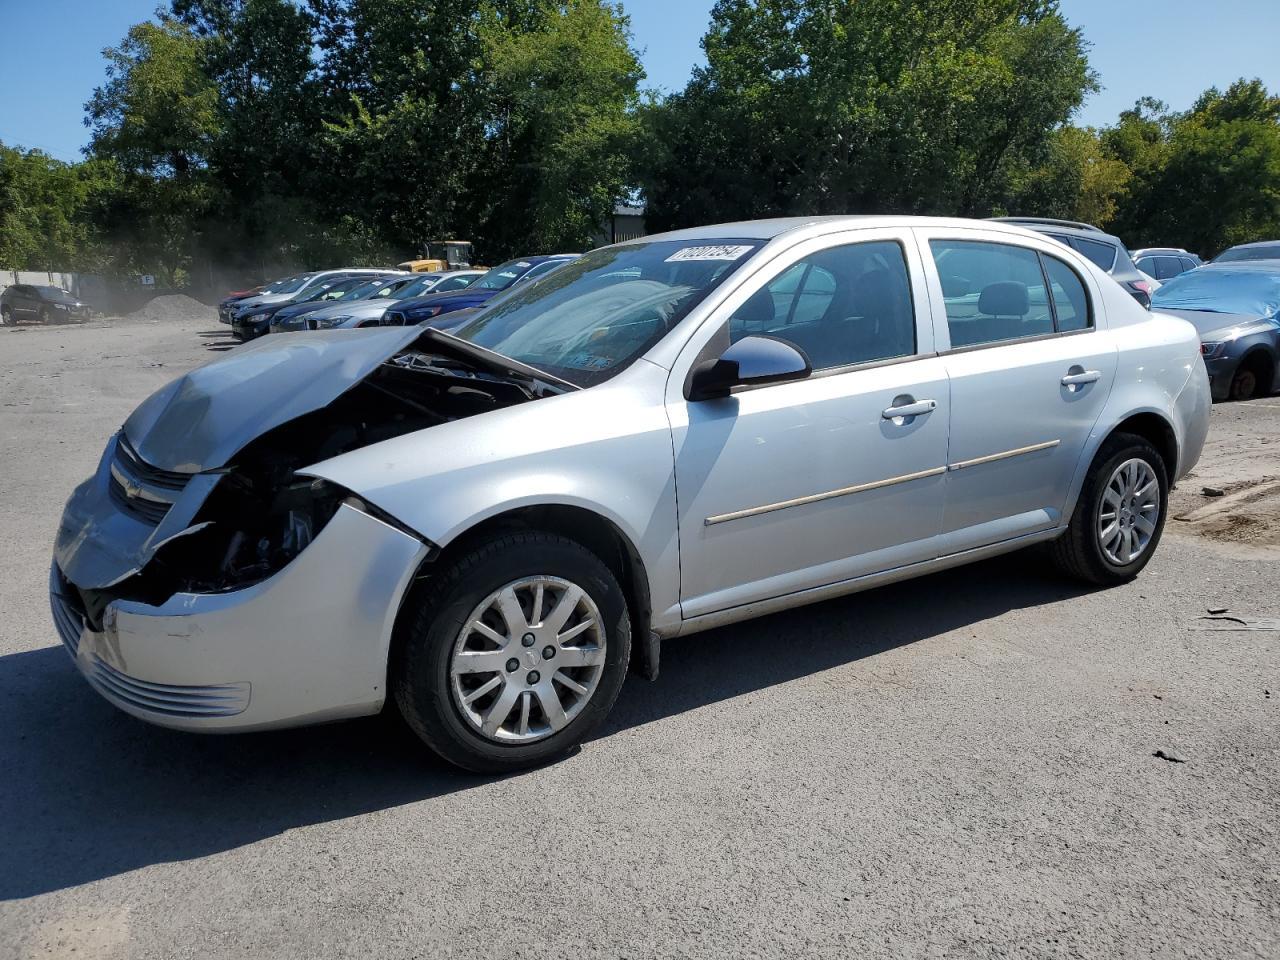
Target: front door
789 486
1030 371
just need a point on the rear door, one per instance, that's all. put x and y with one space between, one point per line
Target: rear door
1030 366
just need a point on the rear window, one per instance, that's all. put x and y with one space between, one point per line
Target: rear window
1103 254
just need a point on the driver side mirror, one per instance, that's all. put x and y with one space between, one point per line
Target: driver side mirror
751 361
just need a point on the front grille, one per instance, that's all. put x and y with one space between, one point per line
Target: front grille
140 489
144 472
171 700
68 620
151 511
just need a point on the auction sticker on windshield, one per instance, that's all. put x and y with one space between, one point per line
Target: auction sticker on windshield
718 252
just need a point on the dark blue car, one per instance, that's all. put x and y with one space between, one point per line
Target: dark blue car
502 277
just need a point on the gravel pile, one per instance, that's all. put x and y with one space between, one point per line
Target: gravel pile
174 306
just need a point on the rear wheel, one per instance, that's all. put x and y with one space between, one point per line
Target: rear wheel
514 655
1120 515
6 315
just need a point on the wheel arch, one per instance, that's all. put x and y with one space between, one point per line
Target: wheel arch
1157 430
1260 358
1153 425
598 533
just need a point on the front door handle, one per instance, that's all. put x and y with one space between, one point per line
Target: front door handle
913 409
1081 378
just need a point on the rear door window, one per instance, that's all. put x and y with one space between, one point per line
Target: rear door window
992 291
1070 300
996 292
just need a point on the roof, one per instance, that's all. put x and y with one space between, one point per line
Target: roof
1270 267
1256 243
1049 222
769 229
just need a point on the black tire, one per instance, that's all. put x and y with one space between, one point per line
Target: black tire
1078 552
1252 378
430 623
6 315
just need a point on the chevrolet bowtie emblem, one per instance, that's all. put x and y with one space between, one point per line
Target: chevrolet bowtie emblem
131 489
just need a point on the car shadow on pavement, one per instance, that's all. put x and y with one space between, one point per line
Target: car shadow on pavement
88 792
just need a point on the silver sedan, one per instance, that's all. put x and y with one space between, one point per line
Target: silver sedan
491 527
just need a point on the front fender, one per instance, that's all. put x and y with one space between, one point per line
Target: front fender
606 450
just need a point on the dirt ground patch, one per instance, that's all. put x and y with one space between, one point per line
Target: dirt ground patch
1231 500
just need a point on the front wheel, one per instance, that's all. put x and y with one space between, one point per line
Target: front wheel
1119 516
514 655
1244 385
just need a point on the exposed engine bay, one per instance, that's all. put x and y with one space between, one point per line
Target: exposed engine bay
260 512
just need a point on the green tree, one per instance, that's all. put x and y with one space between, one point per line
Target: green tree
45 205
561 101
156 120
862 105
1204 179
1077 180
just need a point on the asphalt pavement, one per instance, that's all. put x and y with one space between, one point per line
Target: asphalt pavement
964 765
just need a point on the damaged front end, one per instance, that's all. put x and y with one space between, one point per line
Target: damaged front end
199 507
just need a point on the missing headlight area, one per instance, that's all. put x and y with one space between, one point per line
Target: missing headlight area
262 512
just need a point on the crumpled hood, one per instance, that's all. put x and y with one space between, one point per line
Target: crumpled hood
198 423
200 420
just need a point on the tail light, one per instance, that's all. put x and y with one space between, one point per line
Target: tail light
1141 285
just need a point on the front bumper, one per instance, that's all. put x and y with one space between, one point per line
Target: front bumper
250 328
306 645
1221 372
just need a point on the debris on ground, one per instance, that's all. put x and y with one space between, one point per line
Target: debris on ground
1213 491
1168 755
1240 623
1216 610
174 306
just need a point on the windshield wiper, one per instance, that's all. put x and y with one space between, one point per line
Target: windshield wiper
499 362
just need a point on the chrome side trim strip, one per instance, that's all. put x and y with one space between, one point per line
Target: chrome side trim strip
877 484
993 457
829 495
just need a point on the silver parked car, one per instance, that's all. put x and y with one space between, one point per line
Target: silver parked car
666 435
289 288
369 312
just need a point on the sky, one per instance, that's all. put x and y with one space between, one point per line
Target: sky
1170 49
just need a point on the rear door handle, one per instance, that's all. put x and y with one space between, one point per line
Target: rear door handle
1085 376
913 409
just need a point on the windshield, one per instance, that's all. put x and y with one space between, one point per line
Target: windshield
288 284
1249 291
503 275
363 290
56 292
416 287
595 315
1268 251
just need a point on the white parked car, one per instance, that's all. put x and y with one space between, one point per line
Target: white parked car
670 434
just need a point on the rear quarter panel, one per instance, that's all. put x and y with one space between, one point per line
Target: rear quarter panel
1159 371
